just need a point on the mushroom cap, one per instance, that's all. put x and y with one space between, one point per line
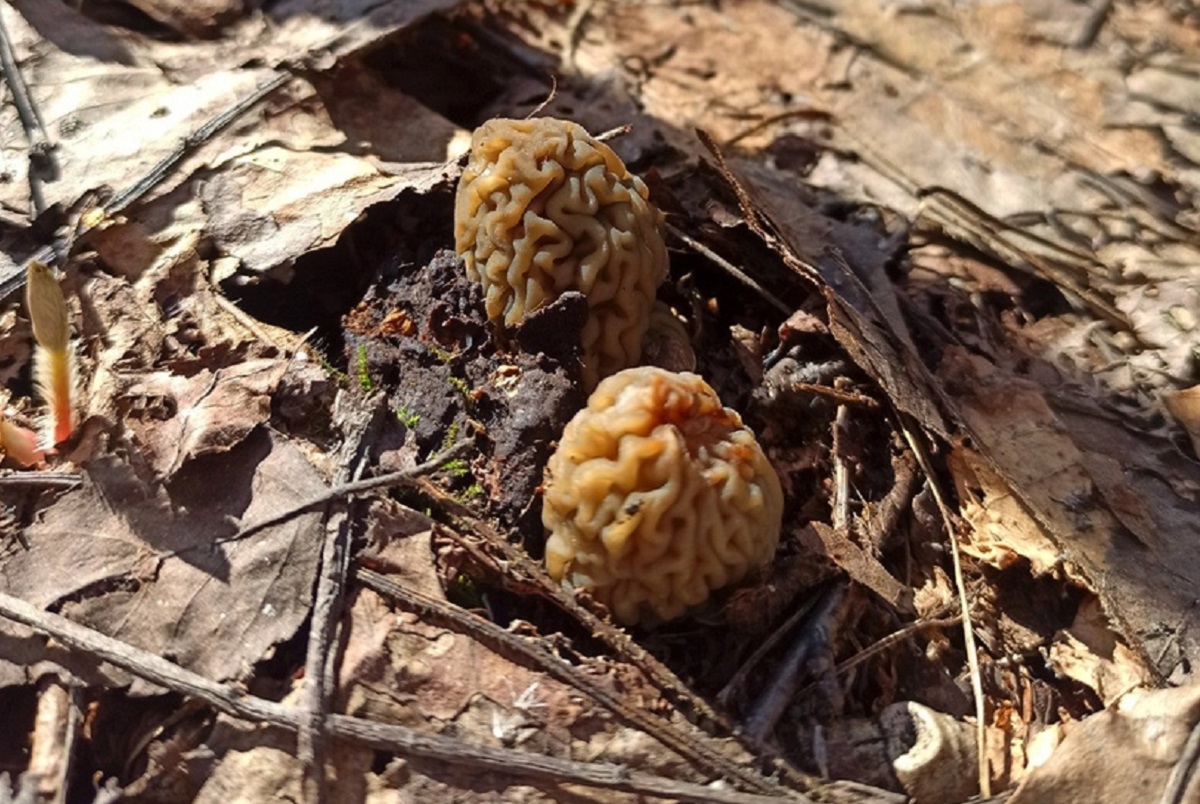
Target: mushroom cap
542 208
657 495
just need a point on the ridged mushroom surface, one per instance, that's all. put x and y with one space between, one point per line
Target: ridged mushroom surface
542 208
657 495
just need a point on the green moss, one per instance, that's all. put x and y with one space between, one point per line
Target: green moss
450 438
440 353
464 390
457 468
340 377
408 418
360 369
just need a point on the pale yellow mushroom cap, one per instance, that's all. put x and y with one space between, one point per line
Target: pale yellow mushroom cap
543 208
657 495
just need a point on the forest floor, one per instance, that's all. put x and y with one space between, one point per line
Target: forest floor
943 258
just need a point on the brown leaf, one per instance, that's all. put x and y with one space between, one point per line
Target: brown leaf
1083 473
1185 407
181 418
1116 756
286 179
146 564
1003 530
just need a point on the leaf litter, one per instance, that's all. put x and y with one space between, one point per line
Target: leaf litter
990 304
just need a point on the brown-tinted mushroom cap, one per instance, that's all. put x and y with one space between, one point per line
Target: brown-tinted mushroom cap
657 495
542 208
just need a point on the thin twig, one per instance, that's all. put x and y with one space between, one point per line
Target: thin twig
41 480
782 689
55 738
520 572
960 587
729 268
1184 771
401 478
836 394
160 171
540 657
888 641
255 327
41 148
381 736
193 141
734 685
782 117
840 518
613 133
320 666
574 30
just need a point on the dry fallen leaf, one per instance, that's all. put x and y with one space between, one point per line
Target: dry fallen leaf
147 564
1185 407
1122 754
180 418
1067 464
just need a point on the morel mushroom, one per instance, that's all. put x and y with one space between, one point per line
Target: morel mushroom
543 208
657 495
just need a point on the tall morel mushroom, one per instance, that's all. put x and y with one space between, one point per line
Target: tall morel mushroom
657 495
543 208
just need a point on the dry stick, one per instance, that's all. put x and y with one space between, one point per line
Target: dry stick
771 705
729 268
574 31
54 480
893 638
758 725
295 343
655 727
960 587
382 736
40 145
734 685
808 271
782 689
841 473
401 478
55 734
320 667
616 639
836 394
1184 771
519 564
194 140
160 171
782 117
879 647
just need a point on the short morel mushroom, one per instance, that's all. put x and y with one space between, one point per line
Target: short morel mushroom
543 208
657 495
